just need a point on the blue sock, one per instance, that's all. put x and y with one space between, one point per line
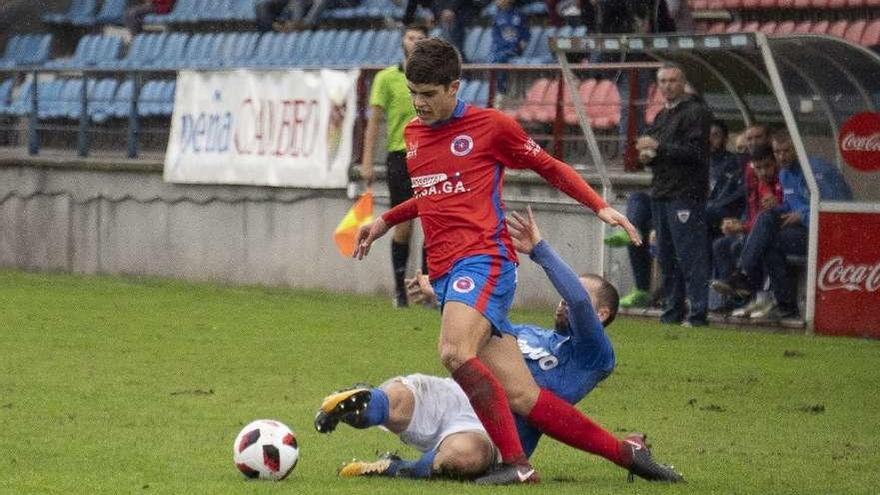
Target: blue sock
376 412
421 468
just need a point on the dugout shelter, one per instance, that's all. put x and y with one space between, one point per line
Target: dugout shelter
826 92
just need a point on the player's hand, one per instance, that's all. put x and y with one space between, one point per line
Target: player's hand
419 290
768 202
617 219
366 235
523 231
647 143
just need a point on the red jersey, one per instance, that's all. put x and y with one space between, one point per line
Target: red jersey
457 171
755 190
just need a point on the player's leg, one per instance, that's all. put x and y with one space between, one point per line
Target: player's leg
390 405
464 455
559 419
399 190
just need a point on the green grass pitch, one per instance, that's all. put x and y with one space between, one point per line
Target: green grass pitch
131 385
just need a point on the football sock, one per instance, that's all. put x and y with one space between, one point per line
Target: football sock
423 467
376 412
490 403
399 257
562 421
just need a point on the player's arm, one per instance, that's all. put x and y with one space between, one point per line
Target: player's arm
367 234
586 329
518 150
371 135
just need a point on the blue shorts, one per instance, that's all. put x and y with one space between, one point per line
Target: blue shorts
483 282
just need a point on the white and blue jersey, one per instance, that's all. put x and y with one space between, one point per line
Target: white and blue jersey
569 364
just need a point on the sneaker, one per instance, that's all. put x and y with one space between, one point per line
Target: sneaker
735 286
636 298
379 467
509 474
643 463
775 312
617 239
400 300
345 405
756 305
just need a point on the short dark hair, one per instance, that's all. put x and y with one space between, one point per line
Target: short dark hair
762 152
607 296
433 61
417 26
781 135
673 65
721 125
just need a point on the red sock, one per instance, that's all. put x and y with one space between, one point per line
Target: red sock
490 403
562 421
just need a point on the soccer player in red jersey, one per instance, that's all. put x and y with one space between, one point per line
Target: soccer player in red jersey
456 156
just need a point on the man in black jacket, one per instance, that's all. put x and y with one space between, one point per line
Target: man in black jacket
676 147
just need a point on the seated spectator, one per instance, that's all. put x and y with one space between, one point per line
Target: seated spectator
302 12
740 147
638 210
783 230
510 35
267 12
134 16
727 190
453 17
766 195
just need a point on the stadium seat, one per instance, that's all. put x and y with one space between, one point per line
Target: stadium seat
472 39
72 101
768 27
821 27
734 27
111 12
533 100
585 89
121 104
49 97
768 4
80 13
172 52
804 27
362 50
655 102
546 113
90 50
871 36
167 105
855 31
149 99
802 4
785 27
751 27
838 28
6 95
142 52
604 105
26 50
101 100
837 4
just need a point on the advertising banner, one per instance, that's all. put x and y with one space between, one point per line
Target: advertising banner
271 128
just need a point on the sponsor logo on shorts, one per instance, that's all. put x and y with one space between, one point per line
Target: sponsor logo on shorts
463 285
461 145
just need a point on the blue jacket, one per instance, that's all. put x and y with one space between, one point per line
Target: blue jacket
796 194
509 34
727 183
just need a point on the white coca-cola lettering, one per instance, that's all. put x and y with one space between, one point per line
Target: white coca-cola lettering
836 274
854 142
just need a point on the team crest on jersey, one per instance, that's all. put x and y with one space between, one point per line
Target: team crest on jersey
463 285
412 149
683 215
462 145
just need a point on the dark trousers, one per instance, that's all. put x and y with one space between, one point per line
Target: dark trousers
638 211
725 255
683 254
134 17
766 248
267 11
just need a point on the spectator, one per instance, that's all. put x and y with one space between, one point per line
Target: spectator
740 146
390 100
783 230
676 147
134 16
452 16
510 35
726 250
727 190
638 210
302 12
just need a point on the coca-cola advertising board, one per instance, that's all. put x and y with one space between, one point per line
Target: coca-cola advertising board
848 274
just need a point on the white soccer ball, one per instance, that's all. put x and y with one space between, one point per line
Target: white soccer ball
265 449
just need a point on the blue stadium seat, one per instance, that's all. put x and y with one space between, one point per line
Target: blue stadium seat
121 100
246 10
48 98
89 51
143 51
314 50
21 103
101 100
362 50
239 51
172 52
383 44
72 103
336 47
6 95
537 44
26 50
166 106
112 12
80 13
348 50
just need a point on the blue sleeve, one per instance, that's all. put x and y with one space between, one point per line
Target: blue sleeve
586 329
830 181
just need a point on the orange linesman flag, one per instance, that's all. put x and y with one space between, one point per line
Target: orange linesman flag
359 214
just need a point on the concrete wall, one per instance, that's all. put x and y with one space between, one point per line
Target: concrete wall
121 218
